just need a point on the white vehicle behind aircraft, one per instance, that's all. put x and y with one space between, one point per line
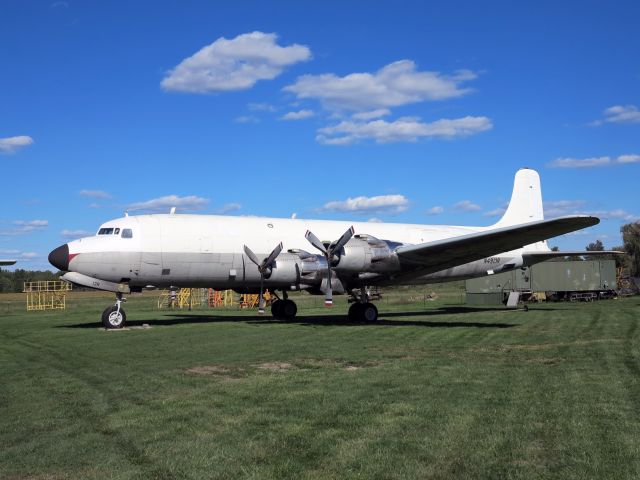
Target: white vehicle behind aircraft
134 252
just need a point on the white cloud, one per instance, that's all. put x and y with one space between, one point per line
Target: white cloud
299 115
23 227
374 220
13 144
496 212
261 107
73 234
398 83
619 114
628 159
467 206
580 162
164 204
228 208
32 223
593 161
437 210
406 129
246 119
94 194
236 64
614 214
561 208
389 204
370 115
20 255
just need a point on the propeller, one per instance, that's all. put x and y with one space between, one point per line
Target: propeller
329 252
264 267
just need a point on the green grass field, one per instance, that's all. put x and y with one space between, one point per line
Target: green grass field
433 390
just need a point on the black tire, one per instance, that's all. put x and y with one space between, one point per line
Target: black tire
112 319
369 313
354 312
289 309
276 309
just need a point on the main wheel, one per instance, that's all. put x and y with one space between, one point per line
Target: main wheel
354 312
289 309
112 318
276 308
368 312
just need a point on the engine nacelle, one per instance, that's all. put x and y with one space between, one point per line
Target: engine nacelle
364 253
296 268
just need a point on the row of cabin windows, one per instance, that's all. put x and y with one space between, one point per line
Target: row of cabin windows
126 232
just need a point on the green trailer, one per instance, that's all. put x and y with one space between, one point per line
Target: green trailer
562 279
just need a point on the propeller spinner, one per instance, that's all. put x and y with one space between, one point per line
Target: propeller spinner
329 253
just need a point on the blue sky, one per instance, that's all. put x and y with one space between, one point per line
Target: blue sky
396 111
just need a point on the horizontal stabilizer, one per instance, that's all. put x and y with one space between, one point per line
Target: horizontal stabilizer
541 256
442 254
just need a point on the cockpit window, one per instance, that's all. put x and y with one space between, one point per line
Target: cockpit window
117 231
105 231
127 233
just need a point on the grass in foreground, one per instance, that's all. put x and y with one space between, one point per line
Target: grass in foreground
444 391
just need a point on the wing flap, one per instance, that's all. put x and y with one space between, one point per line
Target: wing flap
442 254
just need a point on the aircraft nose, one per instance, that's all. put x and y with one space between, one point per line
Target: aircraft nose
59 257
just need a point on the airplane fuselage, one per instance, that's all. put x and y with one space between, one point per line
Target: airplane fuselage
206 251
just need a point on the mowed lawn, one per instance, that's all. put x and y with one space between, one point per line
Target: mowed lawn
433 390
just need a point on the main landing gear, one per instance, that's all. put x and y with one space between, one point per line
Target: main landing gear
114 316
362 310
284 309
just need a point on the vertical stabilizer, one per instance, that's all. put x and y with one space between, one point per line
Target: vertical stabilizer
526 200
525 205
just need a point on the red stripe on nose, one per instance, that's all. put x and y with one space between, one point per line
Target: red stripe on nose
72 256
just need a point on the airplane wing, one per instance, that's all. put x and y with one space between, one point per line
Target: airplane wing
442 254
7 262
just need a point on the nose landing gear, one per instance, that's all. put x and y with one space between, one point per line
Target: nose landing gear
114 316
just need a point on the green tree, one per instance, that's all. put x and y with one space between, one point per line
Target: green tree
596 246
631 238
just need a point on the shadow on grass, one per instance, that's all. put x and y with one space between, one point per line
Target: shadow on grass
313 320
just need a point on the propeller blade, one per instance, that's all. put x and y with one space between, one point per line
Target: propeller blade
251 255
268 262
328 295
261 297
315 241
342 241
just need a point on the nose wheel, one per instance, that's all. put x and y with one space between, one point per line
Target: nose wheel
114 316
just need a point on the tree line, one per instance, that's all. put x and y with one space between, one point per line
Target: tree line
11 282
630 261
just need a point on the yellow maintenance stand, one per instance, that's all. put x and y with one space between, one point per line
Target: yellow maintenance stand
182 298
46 295
221 298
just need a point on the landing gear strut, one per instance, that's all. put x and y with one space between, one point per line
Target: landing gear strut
362 310
284 309
114 316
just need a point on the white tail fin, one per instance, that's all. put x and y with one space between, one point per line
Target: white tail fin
526 200
525 205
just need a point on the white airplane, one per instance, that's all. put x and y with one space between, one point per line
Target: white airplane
170 250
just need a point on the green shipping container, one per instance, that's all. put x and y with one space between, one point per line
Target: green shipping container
585 276
564 276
